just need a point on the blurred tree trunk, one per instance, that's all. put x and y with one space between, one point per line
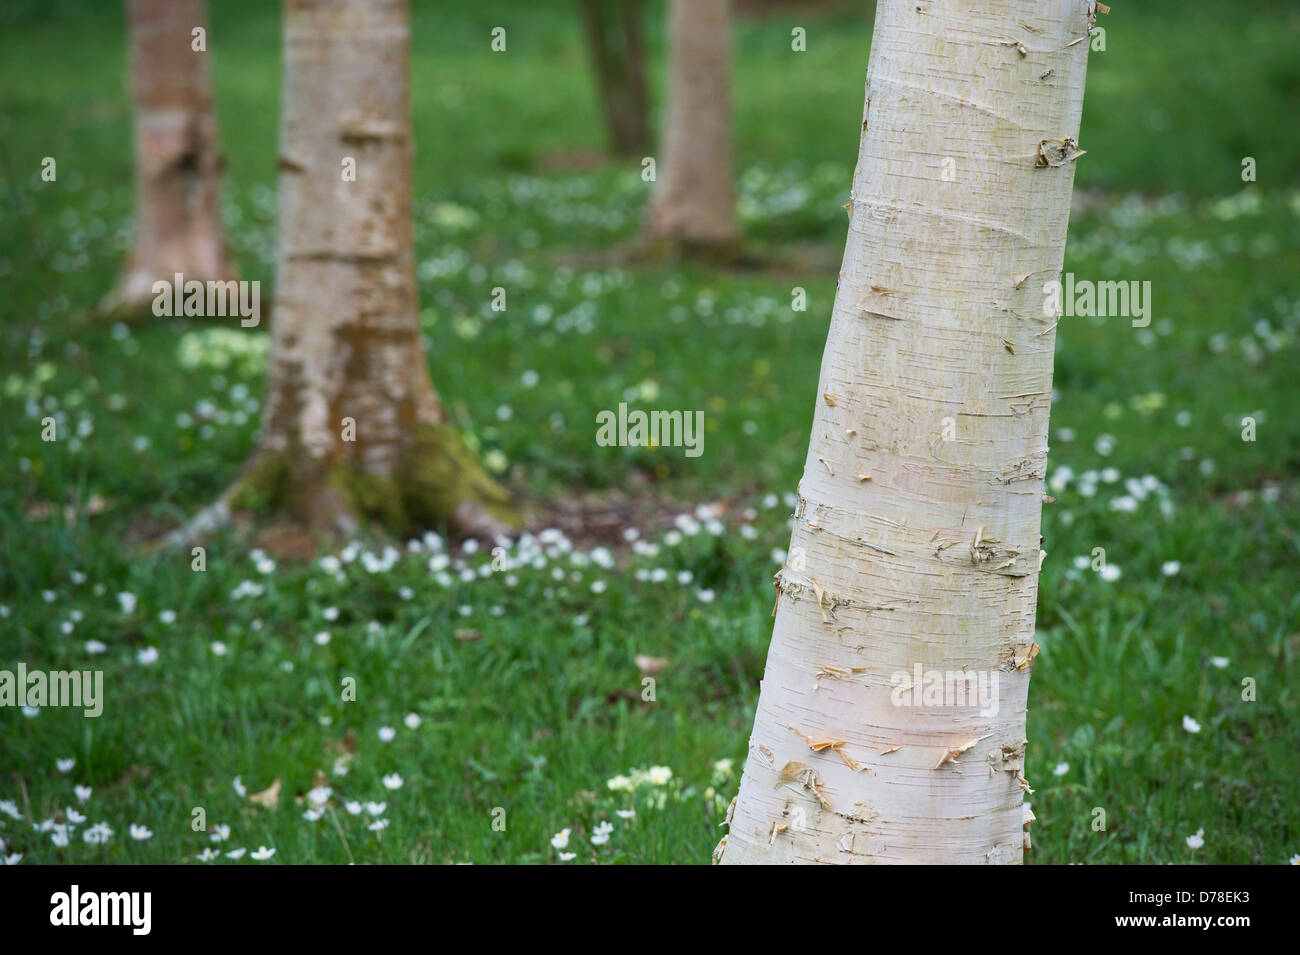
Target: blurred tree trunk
177 162
617 49
916 536
352 426
695 200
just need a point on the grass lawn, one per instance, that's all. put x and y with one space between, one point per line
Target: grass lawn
511 695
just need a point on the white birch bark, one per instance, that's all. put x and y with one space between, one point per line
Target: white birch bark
695 198
916 539
177 160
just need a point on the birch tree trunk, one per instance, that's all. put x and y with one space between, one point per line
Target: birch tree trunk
695 200
614 40
916 537
177 162
352 425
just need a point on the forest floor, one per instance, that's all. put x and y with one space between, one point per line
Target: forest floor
500 716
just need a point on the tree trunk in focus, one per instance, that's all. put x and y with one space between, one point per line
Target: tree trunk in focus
891 720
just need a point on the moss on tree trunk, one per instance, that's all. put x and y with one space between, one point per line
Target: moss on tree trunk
439 482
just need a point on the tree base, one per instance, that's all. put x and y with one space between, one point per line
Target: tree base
439 483
131 300
732 253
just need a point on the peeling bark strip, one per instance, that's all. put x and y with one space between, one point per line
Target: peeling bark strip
177 162
946 533
695 199
346 337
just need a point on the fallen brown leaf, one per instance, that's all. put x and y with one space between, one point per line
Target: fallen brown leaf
650 666
269 797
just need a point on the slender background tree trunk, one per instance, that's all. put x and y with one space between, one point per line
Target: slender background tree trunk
695 199
616 45
916 538
352 425
177 162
